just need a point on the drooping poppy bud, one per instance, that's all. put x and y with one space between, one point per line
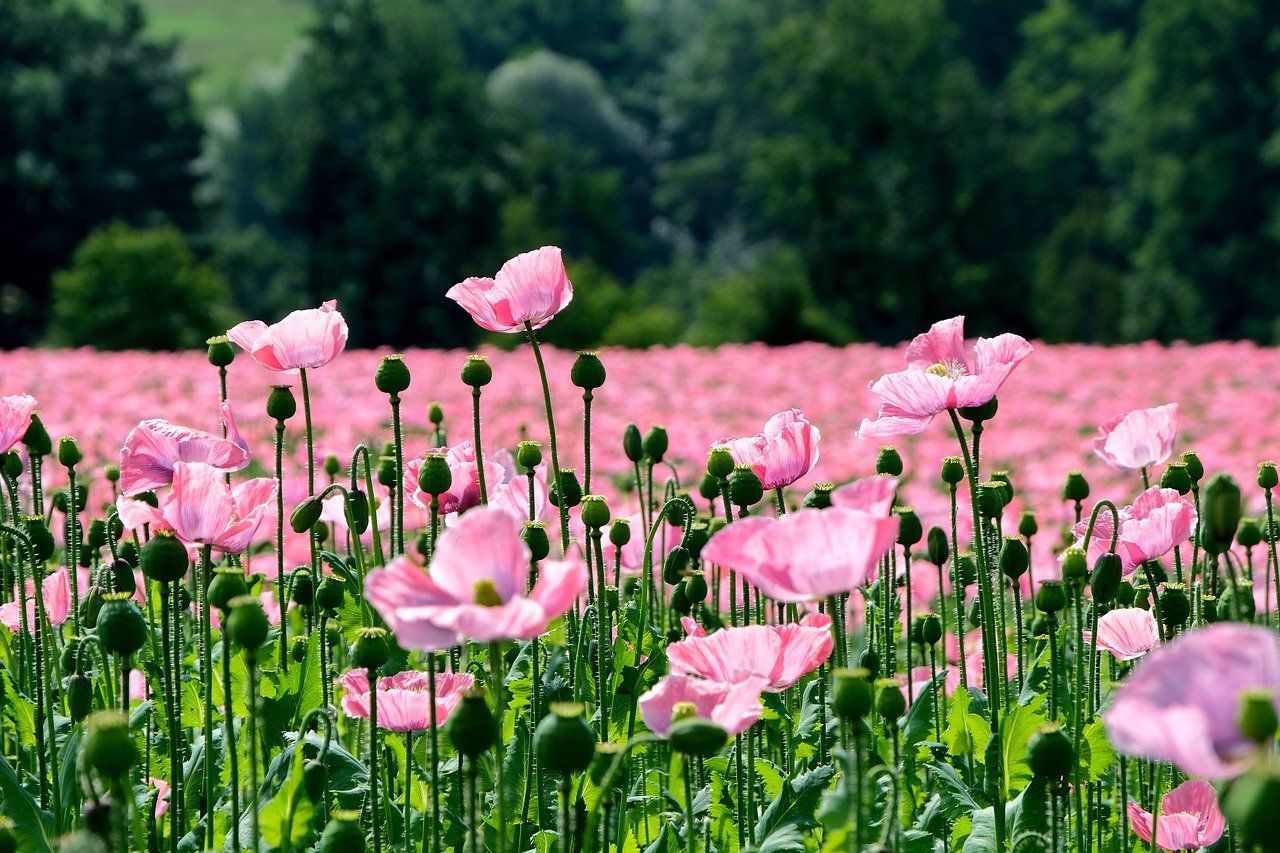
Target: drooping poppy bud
1104 583
632 443
1049 752
1221 514
306 515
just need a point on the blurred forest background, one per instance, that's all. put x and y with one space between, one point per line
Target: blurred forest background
715 170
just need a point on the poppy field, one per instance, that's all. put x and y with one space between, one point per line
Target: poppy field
953 595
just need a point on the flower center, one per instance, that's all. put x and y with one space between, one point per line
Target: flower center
948 370
683 711
486 593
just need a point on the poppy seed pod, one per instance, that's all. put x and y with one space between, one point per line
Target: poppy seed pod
535 538
41 537
1257 715
1175 477
852 694
910 531
1125 593
435 414
12 466
280 403
890 703
298 648
1076 488
69 455
889 461
1051 597
305 515
978 414
66 661
708 487
697 736
745 488
330 592
1221 514
118 577
529 454
227 584
1049 752
1236 602
680 602
991 499
370 650
108 745
392 375
331 465
247 623
1014 558
1075 566
655 443
966 570
587 372
476 372
220 353
719 462
952 470
1250 533
818 497
1104 583
595 512
563 741
605 753
1027 525
931 629
695 587
620 532
342 834
434 477
632 443
471 727
97 534
301 589
121 628
1003 477
79 697
1195 468
936 544
566 489
36 438
1267 477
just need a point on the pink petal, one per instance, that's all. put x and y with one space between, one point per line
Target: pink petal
484 545
15 418
942 344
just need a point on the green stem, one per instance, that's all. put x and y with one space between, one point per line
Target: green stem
397 524
433 743
475 423
281 591
375 807
251 660
551 433
690 844
587 397
229 741
206 677
500 709
311 469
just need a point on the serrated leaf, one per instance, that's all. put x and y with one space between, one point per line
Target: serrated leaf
796 803
1016 729
1096 753
31 824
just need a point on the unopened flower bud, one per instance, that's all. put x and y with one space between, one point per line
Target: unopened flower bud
620 532
655 443
931 629
435 414
1049 752
110 471
301 588
680 602
342 834
890 702
587 372
675 564
870 661
36 438
937 547
708 487
563 741
331 465
69 455
889 461
697 736
298 648
695 587
220 353
966 571
476 372
305 515
1014 558
910 531
952 470
79 696
566 489
1250 533
1195 468
392 375
1104 583
1221 514
632 444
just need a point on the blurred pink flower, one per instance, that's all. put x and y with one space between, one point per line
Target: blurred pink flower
734 707
308 338
1181 702
464 491
1189 818
203 509
940 376
476 586
919 677
162 795
1127 633
805 555
153 447
786 451
15 417
404 701
137 685
870 494
57 603
1139 439
530 288
1156 521
777 655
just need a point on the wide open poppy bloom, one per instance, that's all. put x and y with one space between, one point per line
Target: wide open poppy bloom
941 376
1189 818
475 588
1150 527
404 700
1139 439
15 418
530 288
786 450
154 446
733 707
1180 704
805 555
777 655
308 338
1127 633
202 509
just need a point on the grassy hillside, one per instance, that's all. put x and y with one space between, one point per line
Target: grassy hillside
227 41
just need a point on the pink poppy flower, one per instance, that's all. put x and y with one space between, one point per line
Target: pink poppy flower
1139 439
941 376
464 491
476 586
309 338
162 795
57 603
404 700
1189 818
201 509
786 451
805 555
15 418
777 655
153 447
1127 633
530 288
734 707
1180 703
1150 527
870 494
137 686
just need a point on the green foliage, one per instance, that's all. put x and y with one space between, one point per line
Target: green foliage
137 289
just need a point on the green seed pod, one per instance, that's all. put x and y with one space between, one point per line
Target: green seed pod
1027 526
655 443
708 487
936 543
12 466
1075 566
695 587
1236 602
220 352
305 515
1250 806
966 570
1104 583
680 602
981 413
697 736
108 746
392 375
991 499
370 650
41 538
435 414
535 538
315 776
1125 594
1221 517
889 461
931 629
1257 715
471 727
121 628
1049 752
1003 477
620 532
301 588
1250 532
952 470
1195 468
96 537
332 465
1014 558
1076 488
563 741
719 462
870 661
745 488
529 455
910 531
69 455
852 694
298 648
247 623
1051 597
890 703
280 403
342 834
566 488
587 372
79 697
605 753
119 577
36 438
227 584
819 497
595 512
632 444
476 372
1175 477
1267 477
330 592
434 477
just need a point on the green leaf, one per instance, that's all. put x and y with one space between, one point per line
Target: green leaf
966 732
795 805
1015 730
956 796
919 722
1096 753
31 824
